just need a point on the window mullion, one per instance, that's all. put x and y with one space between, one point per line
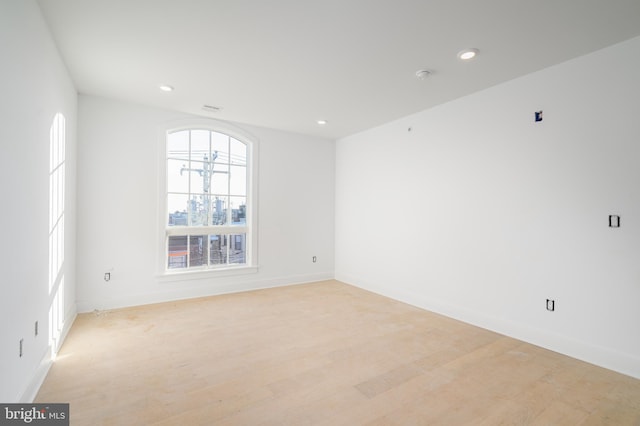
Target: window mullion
188 250
229 214
189 209
201 230
227 237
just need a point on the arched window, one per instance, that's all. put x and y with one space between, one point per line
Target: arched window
209 214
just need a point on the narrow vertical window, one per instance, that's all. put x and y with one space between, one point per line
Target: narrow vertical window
57 155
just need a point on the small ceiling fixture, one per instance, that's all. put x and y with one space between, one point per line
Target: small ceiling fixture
211 108
422 74
322 122
468 54
166 88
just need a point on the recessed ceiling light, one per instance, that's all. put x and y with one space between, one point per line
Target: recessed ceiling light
468 54
166 88
422 74
322 122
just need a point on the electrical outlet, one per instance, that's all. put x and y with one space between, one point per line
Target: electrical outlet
36 329
21 344
614 221
551 305
538 115
315 259
107 276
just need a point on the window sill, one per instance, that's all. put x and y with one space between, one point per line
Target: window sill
172 276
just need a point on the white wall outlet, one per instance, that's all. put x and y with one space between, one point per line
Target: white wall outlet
551 305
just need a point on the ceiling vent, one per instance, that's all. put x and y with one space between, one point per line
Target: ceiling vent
211 108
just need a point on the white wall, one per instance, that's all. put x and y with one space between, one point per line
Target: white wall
118 204
481 214
35 86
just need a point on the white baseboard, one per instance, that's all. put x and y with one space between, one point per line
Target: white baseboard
37 379
601 356
33 386
175 291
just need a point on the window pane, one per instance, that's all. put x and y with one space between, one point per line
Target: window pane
177 181
199 176
237 248
220 179
218 249
177 209
206 209
198 210
198 250
219 210
238 180
238 152
178 145
177 252
221 157
220 144
238 210
199 144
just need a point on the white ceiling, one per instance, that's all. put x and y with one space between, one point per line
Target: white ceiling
287 63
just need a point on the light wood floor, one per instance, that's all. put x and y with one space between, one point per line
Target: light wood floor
319 354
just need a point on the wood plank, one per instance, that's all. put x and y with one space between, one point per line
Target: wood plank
324 354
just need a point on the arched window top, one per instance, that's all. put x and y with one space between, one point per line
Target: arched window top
211 125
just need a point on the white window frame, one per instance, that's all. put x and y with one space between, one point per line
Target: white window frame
250 229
